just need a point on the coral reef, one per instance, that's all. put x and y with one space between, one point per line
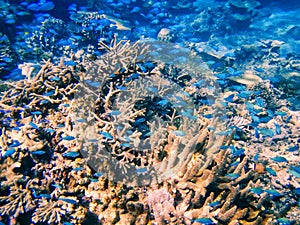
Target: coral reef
75 146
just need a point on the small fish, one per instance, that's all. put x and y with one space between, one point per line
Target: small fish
68 138
33 125
71 154
297 191
140 120
50 93
15 143
121 88
99 174
229 98
9 152
284 221
260 70
208 116
107 135
224 147
294 172
205 221
163 102
93 180
68 200
39 152
81 120
279 159
293 148
135 9
232 176
47 6
56 186
49 130
78 169
271 171
155 21
257 191
179 133
126 145
244 94
141 170
273 192
54 78
280 113
70 63
36 113
266 132
93 83
277 128
114 113
238 152
214 204
67 223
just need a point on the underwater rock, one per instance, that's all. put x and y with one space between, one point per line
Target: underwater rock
166 34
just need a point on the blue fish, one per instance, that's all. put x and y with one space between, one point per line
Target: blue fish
71 154
36 113
70 63
271 171
293 148
132 77
273 192
229 98
15 143
297 191
280 113
49 130
179 133
47 6
205 221
9 152
257 191
277 128
39 152
99 174
33 125
238 152
114 113
279 159
67 223
266 132
126 145
68 200
68 138
163 102
140 120
232 176
214 204
121 88
106 135
54 78
141 170
50 93
284 221
81 120
93 83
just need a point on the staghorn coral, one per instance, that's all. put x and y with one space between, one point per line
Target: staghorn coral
200 165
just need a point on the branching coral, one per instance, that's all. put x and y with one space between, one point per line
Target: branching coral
91 131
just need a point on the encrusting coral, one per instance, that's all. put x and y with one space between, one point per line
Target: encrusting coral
116 139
